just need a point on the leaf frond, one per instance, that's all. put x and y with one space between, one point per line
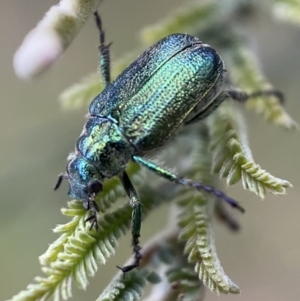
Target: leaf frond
84 250
196 226
186 18
200 246
287 10
129 288
186 282
232 157
82 93
111 193
245 74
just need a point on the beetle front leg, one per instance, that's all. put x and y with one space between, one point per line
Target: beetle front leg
90 204
186 182
136 219
104 62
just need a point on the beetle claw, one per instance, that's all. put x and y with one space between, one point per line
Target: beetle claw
93 219
91 204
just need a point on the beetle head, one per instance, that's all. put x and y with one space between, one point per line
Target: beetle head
84 179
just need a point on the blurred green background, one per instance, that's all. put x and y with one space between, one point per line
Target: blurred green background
36 137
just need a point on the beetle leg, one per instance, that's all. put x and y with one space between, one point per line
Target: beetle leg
186 182
135 222
225 216
235 95
104 62
90 204
240 96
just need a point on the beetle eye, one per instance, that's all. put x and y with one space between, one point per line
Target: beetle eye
94 186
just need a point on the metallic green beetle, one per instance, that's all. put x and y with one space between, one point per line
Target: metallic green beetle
177 81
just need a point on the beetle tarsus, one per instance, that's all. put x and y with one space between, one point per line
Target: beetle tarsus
137 258
91 205
93 220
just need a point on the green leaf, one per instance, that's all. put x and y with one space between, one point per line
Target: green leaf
82 93
245 74
129 288
196 225
287 10
183 20
232 157
186 283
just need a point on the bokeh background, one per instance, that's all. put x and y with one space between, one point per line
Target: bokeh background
36 137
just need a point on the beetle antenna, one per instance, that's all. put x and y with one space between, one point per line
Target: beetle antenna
60 178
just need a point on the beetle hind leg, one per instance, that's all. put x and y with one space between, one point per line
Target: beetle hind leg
186 182
104 61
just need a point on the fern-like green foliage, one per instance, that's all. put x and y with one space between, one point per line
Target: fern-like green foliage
184 258
287 10
132 285
232 158
196 228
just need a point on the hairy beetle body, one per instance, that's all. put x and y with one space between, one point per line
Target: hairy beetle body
177 81
145 106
